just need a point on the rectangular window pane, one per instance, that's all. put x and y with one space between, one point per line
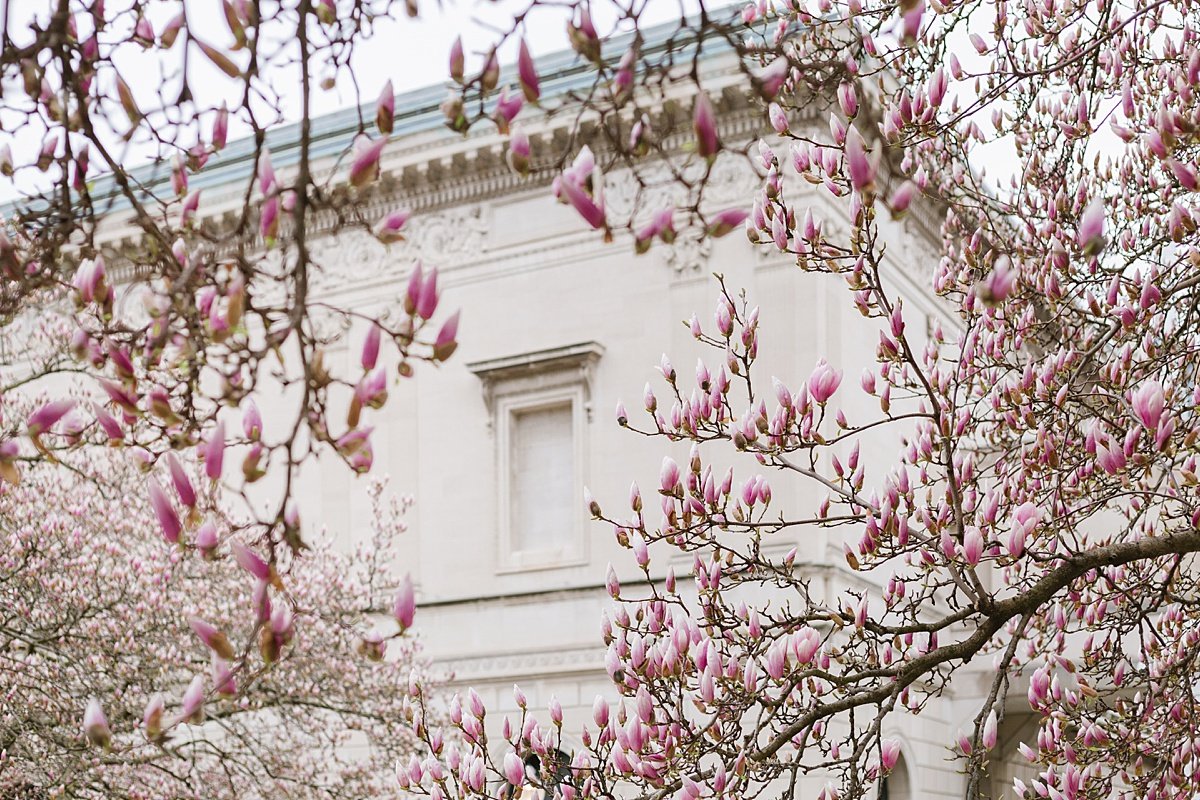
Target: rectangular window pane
542 459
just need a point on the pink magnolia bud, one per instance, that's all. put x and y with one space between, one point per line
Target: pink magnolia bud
250 465
937 87
125 95
251 420
222 677
491 72
823 381
704 124
248 560
281 623
268 221
889 753
1090 233
1025 519
514 770
508 106
639 143
365 167
260 601
214 452
622 84
405 607
457 61
858 166
771 79
641 553
183 484
266 172
447 338
725 221
837 129
220 128
847 99
475 703
387 230
556 711
592 211
988 740
206 539
108 423
589 502
385 109
152 718
192 708
426 301
612 583
179 181
778 118
370 348
902 198
168 520
413 293
527 74
44 418
95 725
373 646
213 639
519 151
973 545
911 21
582 35
600 712
187 211
668 476
1148 404
1184 174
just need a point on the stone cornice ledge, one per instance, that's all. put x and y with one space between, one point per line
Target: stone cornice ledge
527 665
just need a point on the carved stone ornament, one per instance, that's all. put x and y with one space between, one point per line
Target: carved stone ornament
628 197
731 182
443 239
688 254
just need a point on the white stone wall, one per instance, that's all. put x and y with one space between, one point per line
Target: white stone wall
529 277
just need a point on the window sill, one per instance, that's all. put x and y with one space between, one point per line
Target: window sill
539 561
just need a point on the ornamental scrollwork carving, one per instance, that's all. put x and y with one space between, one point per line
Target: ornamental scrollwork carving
444 239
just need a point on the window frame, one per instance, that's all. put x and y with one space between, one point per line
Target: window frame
527 382
512 557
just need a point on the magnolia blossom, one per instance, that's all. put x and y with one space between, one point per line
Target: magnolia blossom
823 382
1148 404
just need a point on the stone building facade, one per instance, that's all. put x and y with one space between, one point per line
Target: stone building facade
497 445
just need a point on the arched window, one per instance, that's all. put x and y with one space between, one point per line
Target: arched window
896 785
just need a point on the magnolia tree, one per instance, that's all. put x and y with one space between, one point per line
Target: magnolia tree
1040 509
139 317
95 607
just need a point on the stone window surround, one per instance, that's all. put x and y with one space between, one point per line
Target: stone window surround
526 382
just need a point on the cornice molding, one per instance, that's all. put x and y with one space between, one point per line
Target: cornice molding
527 665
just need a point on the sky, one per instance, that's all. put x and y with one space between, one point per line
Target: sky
412 53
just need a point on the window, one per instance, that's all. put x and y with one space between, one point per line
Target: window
540 406
895 786
541 462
